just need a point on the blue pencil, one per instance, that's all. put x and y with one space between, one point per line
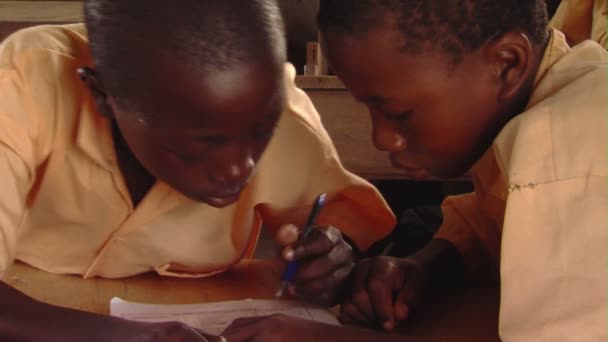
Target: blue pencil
292 267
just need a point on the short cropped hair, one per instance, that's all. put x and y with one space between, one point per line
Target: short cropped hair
456 26
129 37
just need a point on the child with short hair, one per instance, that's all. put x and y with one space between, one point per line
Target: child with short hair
159 138
485 86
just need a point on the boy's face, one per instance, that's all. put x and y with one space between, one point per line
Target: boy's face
203 134
433 117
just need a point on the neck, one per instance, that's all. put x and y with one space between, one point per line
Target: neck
137 179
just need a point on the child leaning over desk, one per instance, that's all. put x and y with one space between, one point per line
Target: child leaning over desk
480 85
158 138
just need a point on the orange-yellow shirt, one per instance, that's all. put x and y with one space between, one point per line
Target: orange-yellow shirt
582 19
539 211
64 205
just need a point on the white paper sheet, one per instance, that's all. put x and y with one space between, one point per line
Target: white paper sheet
213 318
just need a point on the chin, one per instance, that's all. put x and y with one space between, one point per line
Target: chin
221 202
448 173
216 202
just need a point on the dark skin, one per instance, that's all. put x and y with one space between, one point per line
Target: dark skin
435 118
387 290
20 313
450 120
183 149
210 159
203 134
279 328
189 145
185 139
325 260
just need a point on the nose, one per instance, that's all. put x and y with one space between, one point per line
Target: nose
387 136
234 167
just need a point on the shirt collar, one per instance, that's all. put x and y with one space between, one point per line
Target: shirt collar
94 133
556 49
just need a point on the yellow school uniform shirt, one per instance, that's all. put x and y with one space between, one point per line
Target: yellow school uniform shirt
539 211
582 19
64 205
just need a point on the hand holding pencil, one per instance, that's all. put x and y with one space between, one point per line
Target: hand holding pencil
319 259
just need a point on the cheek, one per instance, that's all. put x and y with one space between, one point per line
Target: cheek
173 169
457 138
259 146
195 172
152 158
437 136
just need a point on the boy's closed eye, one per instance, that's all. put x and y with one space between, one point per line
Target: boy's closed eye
381 105
398 116
188 155
205 143
185 157
188 158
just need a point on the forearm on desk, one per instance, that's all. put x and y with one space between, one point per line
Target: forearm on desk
25 319
441 262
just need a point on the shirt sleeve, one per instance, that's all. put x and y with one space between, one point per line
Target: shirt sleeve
14 182
16 163
580 20
475 236
555 262
301 163
574 19
600 23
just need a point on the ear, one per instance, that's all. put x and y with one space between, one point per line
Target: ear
511 57
90 79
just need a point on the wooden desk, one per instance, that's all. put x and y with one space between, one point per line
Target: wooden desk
253 279
471 317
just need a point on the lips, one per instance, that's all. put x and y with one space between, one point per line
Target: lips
415 173
221 202
224 198
218 200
